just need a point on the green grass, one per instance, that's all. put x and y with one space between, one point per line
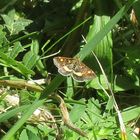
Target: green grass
31 33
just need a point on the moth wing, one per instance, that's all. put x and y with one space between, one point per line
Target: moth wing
64 65
57 62
78 78
64 72
70 66
62 61
83 76
82 73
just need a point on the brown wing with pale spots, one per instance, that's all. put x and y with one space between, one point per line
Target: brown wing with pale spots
71 66
64 65
83 73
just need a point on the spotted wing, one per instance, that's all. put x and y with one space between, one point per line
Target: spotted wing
64 65
82 73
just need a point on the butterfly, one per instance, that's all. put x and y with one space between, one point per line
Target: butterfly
74 68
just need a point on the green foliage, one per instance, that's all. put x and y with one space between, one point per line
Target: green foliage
14 22
32 30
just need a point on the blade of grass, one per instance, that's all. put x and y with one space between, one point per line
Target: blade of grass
53 85
21 38
15 64
5 116
104 31
19 123
122 126
65 36
89 46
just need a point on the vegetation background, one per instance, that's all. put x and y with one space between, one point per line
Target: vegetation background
32 32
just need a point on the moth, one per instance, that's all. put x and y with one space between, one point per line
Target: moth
74 68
